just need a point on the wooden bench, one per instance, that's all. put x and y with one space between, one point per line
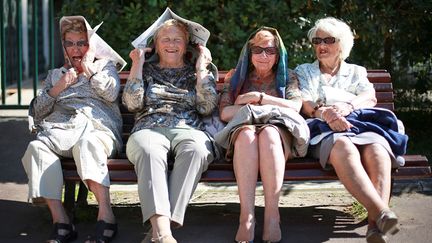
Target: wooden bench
301 169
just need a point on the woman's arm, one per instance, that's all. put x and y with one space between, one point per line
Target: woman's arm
44 102
206 93
133 92
228 112
106 82
227 108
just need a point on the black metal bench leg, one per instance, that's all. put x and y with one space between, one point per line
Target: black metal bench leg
69 199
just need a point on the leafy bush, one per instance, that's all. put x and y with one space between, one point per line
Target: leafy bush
382 40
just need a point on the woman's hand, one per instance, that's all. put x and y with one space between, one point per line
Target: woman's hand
138 55
341 124
343 108
204 58
68 79
335 120
248 98
87 63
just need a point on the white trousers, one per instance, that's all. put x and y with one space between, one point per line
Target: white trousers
44 170
159 193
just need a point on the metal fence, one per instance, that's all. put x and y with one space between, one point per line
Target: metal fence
27 49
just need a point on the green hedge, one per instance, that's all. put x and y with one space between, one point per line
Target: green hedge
392 35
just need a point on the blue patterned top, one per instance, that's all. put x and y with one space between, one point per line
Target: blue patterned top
169 97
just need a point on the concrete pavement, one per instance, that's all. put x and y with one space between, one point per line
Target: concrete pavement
310 212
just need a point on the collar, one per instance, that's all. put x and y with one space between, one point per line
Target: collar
344 69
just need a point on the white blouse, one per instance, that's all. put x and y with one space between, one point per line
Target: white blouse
350 78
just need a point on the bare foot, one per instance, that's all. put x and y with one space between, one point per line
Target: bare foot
246 231
272 231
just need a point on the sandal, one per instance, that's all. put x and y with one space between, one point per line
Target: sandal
71 234
373 235
101 228
387 222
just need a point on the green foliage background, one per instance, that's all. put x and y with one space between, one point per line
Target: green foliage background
389 34
395 35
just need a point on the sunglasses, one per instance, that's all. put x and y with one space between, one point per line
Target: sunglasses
268 50
327 40
79 44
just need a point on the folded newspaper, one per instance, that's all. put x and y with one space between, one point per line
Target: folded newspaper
198 34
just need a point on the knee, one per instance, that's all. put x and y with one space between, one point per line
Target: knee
269 135
375 150
32 150
34 146
195 152
88 143
139 151
245 137
375 154
344 149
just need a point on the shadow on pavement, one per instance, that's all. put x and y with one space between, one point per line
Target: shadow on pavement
14 138
298 224
210 223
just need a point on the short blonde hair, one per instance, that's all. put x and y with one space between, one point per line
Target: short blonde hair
338 29
72 25
264 35
169 23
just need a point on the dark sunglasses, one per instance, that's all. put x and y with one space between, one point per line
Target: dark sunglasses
327 40
80 43
268 50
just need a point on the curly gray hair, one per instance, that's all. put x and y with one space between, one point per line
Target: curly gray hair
338 29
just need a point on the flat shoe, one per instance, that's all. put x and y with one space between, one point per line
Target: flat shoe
387 222
373 235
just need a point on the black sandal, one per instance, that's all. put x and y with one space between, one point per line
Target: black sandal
71 234
101 228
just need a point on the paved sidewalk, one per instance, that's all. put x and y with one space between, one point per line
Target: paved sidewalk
310 211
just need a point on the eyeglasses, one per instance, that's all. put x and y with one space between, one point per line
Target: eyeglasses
268 50
79 44
327 40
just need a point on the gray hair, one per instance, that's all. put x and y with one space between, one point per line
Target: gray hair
338 29
176 23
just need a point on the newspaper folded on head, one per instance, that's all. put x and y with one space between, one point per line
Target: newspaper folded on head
198 34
